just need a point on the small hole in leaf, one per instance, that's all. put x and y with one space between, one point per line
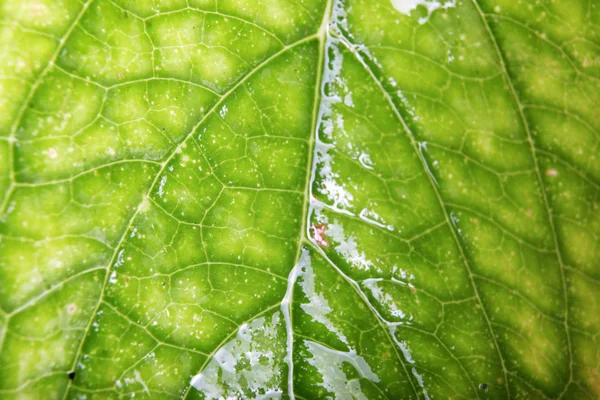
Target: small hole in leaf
71 375
484 387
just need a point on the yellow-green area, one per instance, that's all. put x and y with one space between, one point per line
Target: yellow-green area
311 199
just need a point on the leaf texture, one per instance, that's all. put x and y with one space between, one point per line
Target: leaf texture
349 199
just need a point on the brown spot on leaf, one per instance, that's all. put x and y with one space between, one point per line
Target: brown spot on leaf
319 234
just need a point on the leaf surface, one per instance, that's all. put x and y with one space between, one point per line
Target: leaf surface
348 199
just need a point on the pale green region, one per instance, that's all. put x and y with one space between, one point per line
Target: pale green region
431 296
29 33
188 191
445 374
534 339
52 260
252 228
159 374
504 259
51 17
273 152
148 8
161 244
268 161
587 360
571 141
506 196
12 90
576 200
61 107
120 345
508 200
289 20
583 243
64 230
3 322
421 188
50 386
21 61
566 132
208 49
108 46
151 116
584 309
425 50
567 91
585 52
284 20
570 28
74 126
175 107
5 178
186 307
105 196
464 347
41 340
125 356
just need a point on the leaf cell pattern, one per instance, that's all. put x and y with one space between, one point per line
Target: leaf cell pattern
348 199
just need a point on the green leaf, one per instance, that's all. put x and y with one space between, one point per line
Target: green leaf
350 199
